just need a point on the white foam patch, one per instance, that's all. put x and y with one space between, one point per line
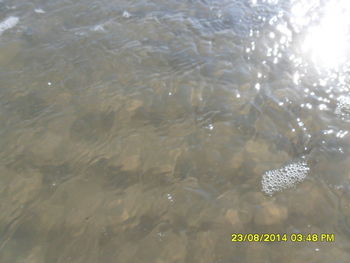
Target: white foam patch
8 23
98 28
39 11
283 178
343 106
126 14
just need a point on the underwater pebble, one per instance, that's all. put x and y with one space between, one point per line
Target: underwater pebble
269 214
236 161
134 105
130 163
232 216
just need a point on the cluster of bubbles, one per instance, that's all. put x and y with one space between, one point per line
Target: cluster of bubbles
343 107
285 177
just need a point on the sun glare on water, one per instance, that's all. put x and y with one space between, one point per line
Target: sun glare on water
327 42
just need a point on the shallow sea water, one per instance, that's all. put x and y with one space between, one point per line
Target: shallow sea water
140 131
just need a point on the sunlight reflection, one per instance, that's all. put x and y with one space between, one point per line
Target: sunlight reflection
303 13
326 43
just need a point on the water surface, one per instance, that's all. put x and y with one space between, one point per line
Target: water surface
139 131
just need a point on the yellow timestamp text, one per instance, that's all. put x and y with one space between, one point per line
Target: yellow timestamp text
276 237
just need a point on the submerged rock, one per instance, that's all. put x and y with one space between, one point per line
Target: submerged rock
232 216
269 214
